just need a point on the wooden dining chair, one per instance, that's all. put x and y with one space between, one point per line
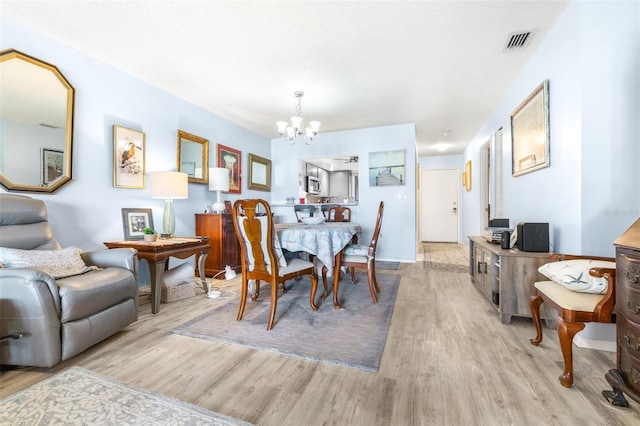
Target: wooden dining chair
339 214
357 256
262 258
574 306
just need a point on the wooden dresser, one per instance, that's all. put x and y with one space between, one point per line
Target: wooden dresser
225 249
505 276
626 377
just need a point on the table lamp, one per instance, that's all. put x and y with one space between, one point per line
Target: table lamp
170 186
218 181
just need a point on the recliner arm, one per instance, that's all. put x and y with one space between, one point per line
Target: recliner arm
118 257
30 283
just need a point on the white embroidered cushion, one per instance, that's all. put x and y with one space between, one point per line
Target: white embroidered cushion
355 250
574 274
57 263
282 262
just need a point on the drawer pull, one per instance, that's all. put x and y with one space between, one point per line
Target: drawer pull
634 375
629 337
632 276
634 309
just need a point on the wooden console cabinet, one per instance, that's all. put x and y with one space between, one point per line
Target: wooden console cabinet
626 377
225 249
505 277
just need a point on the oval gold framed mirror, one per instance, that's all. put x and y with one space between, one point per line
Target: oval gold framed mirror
193 157
36 112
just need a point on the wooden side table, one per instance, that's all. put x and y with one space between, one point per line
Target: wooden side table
156 253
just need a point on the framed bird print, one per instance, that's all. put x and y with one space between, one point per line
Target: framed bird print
128 158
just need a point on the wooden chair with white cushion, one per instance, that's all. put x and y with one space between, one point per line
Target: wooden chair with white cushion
357 256
581 289
262 258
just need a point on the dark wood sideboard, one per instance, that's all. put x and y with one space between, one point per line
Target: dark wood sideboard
626 377
225 248
505 276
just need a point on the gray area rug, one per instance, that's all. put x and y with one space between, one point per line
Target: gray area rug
451 257
383 264
79 397
353 336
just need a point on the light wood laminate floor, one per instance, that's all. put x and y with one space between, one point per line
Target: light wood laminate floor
448 361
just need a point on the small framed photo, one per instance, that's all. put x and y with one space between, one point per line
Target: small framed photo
230 158
227 206
128 158
530 132
134 221
52 165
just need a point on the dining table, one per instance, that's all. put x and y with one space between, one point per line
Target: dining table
325 241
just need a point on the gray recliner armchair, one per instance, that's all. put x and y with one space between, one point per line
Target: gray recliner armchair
44 320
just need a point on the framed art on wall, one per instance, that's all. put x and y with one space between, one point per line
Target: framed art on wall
231 159
386 168
467 176
128 158
134 221
530 132
52 163
259 173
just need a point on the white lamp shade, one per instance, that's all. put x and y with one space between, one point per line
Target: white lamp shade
169 185
218 179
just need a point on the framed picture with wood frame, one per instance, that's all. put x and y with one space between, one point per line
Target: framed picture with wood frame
530 132
128 158
134 221
231 159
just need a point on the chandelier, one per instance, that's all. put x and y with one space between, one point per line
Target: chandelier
297 129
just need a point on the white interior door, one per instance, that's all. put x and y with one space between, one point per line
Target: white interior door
439 205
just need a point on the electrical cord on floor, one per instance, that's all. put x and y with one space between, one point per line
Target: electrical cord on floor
216 293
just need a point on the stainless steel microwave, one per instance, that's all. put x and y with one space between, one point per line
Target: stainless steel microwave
313 185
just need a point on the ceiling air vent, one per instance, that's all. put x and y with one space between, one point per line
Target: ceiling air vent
517 41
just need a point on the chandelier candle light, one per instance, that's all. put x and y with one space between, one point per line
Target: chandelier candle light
297 129
218 181
170 186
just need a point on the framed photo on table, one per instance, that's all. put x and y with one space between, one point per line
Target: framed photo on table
134 221
231 159
128 158
530 132
52 164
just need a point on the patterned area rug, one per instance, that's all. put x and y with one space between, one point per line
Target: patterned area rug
452 257
79 397
353 336
391 266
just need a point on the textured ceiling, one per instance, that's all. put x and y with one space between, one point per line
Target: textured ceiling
438 64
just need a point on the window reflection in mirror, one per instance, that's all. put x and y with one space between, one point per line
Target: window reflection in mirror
36 117
338 177
193 157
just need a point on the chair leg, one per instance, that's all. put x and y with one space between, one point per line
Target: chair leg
373 286
354 280
314 288
373 273
243 299
534 304
273 305
566 332
257 293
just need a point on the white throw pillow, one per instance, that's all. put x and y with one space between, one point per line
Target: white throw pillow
574 274
57 263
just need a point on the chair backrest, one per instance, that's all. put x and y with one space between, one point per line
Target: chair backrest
376 231
325 209
339 214
304 208
24 224
258 243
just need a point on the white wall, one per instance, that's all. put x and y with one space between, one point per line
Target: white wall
398 234
590 193
87 211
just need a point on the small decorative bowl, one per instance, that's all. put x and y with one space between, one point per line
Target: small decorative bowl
150 237
315 220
